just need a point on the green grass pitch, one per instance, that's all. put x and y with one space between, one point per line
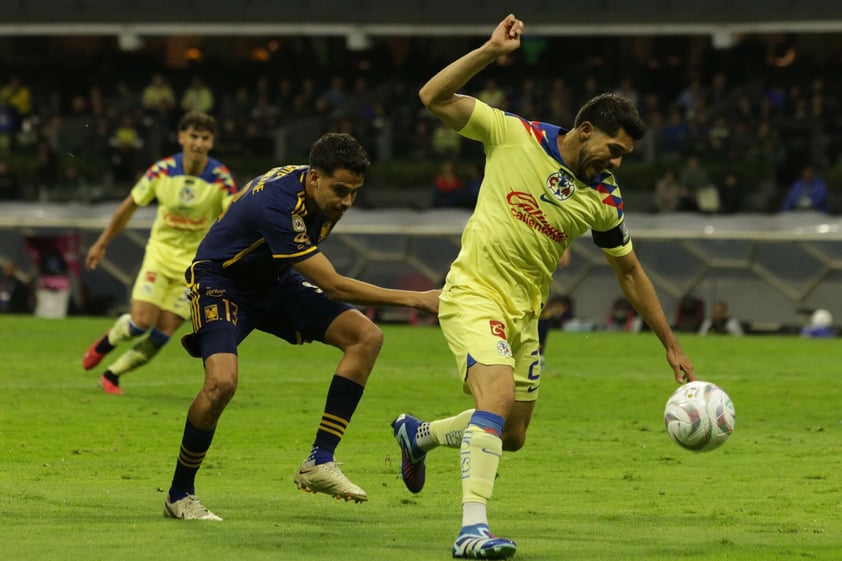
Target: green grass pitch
83 474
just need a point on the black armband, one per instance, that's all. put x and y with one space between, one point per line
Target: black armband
615 237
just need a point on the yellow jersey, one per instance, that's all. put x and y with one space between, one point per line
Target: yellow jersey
531 206
187 207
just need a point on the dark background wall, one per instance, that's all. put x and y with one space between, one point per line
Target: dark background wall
431 12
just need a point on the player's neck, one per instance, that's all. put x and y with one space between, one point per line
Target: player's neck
568 147
194 167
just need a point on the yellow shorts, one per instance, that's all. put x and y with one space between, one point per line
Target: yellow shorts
476 326
154 287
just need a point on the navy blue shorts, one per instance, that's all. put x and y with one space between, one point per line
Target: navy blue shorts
224 314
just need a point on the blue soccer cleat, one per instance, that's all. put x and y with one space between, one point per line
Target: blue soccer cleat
477 542
413 459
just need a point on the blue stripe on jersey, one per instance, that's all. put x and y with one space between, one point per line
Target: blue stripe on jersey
545 134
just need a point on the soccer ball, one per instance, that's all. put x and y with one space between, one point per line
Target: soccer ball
699 416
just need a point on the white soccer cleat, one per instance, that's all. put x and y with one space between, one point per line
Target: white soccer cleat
328 478
188 508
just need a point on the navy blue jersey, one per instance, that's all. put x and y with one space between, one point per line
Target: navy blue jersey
265 230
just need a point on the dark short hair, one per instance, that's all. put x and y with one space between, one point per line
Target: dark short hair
199 121
609 113
339 151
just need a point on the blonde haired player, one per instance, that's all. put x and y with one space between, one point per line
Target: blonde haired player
192 190
543 187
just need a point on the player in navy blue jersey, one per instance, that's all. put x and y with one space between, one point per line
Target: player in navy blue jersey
259 267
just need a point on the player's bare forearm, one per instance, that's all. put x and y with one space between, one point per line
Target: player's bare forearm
439 93
638 289
321 272
358 292
119 221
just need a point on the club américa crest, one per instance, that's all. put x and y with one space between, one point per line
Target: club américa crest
561 185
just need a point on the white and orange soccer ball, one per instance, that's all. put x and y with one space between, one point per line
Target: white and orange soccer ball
699 416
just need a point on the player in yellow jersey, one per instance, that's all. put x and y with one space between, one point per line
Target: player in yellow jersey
192 190
543 187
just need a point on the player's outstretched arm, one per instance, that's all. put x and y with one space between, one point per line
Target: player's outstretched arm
118 223
638 289
439 93
321 272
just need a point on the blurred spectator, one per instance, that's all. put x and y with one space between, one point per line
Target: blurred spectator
622 317
419 143
8 126
446 142
17 96
238 106
264 115
720 322
689 314
15 295
46 168
691 97
158 97
448 188
76 129
126 144
256 141
333 97
719 139
626 90
285 93
10 187
230 140
669 195
473 183
557 312
776 97
558 100
198 97
808 192
71 184
820 326
730 195
590 89
492 94
719 91
674 136
524 99
693 177
699 127
121 99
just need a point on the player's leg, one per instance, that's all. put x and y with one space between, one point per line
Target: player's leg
527 379
299 312
486 345
173 309
482 447
360 341
148 295
217 333
218 389
123 329
416 437
448 432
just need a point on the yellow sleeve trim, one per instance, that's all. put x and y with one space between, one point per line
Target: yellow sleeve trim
311 249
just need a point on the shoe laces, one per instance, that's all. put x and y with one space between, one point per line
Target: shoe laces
194 506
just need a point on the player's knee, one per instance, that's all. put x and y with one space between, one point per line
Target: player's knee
220 389
370 337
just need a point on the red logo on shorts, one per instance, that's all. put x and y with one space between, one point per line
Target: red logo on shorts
151 276
497 328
